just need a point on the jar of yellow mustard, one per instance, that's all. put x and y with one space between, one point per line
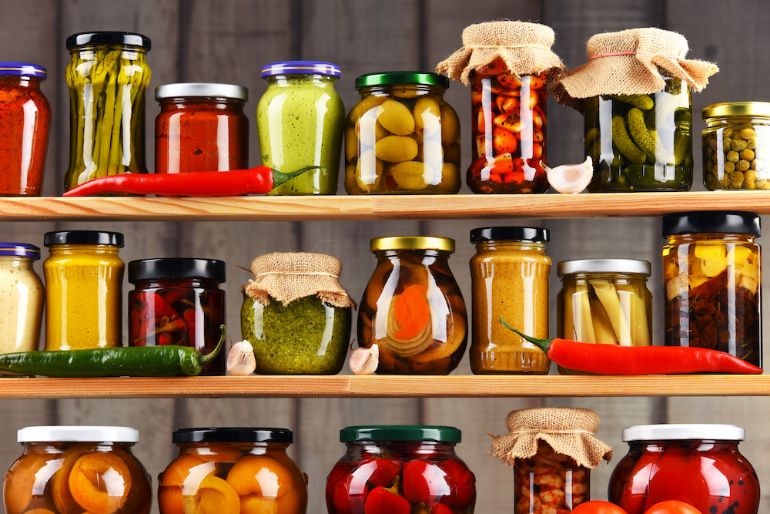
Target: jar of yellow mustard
84 279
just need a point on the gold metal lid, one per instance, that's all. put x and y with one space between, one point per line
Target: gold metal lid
736 109
445 244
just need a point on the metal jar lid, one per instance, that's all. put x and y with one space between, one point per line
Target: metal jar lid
634 266
22 69
533 234
683 432
725 109
19 250
202 90
708 222
400 433
83 237
233 435
108 38
392 78
176 268
444 244
89 434
325 68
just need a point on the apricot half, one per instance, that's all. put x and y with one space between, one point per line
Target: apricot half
100 482
22 481
260 475
215 496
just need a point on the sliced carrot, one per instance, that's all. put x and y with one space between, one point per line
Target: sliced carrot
170 499
100 482
255 504
260 475
412 312
215 496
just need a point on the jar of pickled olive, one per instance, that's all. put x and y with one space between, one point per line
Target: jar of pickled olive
25 118
508 120
21 298
201 127
712 272
412 307
84 284
232 471
107 77
178 302
67 469
400 469
300 121
510 281
402 137
719 479
641 142
736 145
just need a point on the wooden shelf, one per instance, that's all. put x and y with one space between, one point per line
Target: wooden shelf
377 207
386 386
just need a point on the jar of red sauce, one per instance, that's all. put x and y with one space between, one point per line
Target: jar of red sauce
25 117
178 302
696 464
201 127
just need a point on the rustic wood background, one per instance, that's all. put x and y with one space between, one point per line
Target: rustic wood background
227 41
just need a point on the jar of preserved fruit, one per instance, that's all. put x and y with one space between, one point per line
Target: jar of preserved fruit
178 302
400 469
232 470
21 298
402 137
510 281
412 307
712 271
84 284
300 120
719 480
67 469
736 145
107 77
201 127
25 118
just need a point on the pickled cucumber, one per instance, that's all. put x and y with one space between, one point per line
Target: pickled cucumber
623 142
641 135
643 102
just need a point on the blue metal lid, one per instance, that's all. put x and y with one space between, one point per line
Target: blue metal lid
19 250
300 68
22 69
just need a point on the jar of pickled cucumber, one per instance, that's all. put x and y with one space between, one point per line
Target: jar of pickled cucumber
736 145
712 271
402 137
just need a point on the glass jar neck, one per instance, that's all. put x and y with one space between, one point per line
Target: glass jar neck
55 446
395 255
519 246
199 103
88 52
693 445
161 283
210 447
607 275
16 262
391 89
707 236
293 80
724 121
417 449
25 82
69 249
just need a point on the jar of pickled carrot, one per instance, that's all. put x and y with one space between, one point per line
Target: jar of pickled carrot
232 470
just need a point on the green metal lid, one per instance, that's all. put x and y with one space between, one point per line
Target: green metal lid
391 78
400 433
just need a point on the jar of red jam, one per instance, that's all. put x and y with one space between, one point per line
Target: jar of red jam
201 127
696 464
400 469
25 117
178 302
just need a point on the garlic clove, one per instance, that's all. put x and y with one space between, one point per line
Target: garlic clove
364 361
571 178
241 360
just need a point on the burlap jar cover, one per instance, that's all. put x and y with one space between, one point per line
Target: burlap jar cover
569 432
525 48
286 277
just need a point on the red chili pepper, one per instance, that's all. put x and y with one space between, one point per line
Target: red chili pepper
383 501
423 480
461 483
259 180
441 508
606 359
385 472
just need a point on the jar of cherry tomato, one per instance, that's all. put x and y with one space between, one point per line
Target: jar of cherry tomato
201 127
697 464
232 470
400 469
178 302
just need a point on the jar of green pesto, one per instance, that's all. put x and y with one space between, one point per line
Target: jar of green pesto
296 315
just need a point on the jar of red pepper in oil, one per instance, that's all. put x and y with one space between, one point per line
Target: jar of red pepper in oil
178 302
25 117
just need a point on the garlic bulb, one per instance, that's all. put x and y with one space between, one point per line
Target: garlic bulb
364 361
241 360
571 178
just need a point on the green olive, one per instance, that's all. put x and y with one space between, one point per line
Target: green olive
366 129
747 154
450 126
366 103
396 118
738 145
396 149
351 144
743 165
732 156
427 114
747 133
411 175
368 171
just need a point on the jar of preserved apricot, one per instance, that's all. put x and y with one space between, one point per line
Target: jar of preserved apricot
232 471
67 469
412 308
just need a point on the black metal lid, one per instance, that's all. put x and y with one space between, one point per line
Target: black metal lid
176 268
108 38
708 222
83 237
534 234
232 435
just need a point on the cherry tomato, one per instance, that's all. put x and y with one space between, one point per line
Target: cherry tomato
672 507
598 507
461 483
504 141
347 487
423 480
383 501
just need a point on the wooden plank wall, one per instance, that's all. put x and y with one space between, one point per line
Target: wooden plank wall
227 41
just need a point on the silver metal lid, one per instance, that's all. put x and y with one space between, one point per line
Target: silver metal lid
604 266
201 89
92 434
674 432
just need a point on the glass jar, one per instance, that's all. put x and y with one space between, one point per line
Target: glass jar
107 77
201 127
84 284
25 118
300 119
402 137
717 478
232 470
641 142
712 271
736 145
549 482
412 307
178 302
400 469
66 469
21 298
509 281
